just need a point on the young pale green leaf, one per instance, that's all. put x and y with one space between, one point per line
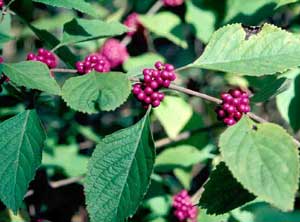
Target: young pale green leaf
33 75
205 26
119 173
264 159
222 193
205 217
21 140
167 25
231 49
68 159
79 5
94 91
80 30
288 102
252 12
181 157
173 122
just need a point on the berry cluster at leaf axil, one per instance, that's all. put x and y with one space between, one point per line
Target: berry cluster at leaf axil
173 3
92 62
154 79
184 208
44 56
235 103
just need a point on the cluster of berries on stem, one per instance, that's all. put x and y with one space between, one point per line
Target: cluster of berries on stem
173 3
184 208
235 103
154 79
92 62
45 57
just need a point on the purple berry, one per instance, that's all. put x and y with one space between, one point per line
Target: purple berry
154 84
141 96
148 90
166 83
159 65
169 67
148 100
155 103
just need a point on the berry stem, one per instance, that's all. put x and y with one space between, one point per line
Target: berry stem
64 70
155 8
194 93
184 135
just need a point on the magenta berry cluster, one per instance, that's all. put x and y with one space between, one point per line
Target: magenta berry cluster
115 52
235 103
44 56
1 4
92 62
154 79
3 78
133 23
184 208
173 3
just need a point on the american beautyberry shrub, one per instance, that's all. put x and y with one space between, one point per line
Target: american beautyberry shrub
44 56
133 23
92 62
235 103
184 208
173 3
154 79
115 52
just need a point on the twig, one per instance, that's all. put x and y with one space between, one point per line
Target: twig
65 182
64 70
155 8
183 136
194 93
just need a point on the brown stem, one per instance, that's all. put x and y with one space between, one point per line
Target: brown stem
194 93
64 70
183 136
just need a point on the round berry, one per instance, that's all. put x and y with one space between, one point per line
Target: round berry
160 96
148 90
166 83
154 84
141 96
173 3
155 103
133 23
159 65
169 68
148 100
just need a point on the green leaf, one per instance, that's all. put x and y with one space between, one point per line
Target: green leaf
80 30
21 140
167 25
173 122
252 12
205 26
50 41
268 87
288 102
79 5
264 152
135 65
5 26
94 91
230 51
181 157
119 173
33 75
67 158
203 216
264 212
222 193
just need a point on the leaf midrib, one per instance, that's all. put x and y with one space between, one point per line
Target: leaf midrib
22 136
131 162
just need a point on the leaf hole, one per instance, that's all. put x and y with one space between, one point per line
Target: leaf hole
254 127
251 30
